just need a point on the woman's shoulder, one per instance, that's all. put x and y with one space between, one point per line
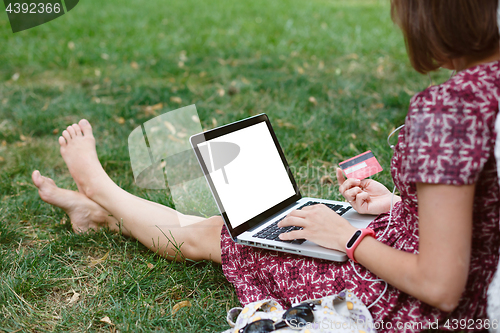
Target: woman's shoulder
450 128
476 88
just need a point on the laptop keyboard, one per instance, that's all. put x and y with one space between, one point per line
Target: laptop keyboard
272 232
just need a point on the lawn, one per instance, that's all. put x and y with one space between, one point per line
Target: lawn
333 77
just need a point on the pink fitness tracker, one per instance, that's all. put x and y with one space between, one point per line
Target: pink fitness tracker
353 243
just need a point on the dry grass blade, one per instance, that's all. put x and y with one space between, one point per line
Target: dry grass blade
179 306
313 100
176 99
20 298
106 320
74 299
326 180
94 262
170 127
151 109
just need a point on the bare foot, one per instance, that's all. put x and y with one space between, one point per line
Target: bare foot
78 151
84 213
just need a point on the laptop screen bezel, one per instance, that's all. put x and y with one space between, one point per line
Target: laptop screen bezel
233 127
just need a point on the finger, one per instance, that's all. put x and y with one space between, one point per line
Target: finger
364 183
351 194
292 221
340 176
349 183
362 199
296 234
298 213
312 207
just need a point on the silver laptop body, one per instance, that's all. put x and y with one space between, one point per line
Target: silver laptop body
254 188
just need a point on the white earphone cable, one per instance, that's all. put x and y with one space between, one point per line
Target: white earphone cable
385 231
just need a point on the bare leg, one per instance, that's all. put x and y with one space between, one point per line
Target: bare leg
156 226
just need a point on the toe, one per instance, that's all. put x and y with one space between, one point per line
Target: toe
41 181
71 131
49 180
77 129
62 141
44 188
66 135
86 128
77 229
37 178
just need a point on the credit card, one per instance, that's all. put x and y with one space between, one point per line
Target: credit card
362 166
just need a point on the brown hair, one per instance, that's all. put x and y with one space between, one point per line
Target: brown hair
436 31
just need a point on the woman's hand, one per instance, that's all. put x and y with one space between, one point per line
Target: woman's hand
320 224
366 196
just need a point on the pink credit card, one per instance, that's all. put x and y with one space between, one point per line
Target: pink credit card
361 166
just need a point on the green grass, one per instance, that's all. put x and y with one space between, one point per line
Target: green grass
107 61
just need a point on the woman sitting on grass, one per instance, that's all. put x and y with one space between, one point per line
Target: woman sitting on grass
441 248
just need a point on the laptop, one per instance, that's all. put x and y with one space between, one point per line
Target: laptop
254 188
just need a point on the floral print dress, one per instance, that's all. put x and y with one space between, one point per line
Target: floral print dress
449 138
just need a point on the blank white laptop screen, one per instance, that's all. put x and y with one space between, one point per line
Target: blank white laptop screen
256 179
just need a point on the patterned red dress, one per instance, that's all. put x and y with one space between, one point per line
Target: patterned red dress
449 138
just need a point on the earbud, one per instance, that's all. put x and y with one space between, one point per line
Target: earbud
392 133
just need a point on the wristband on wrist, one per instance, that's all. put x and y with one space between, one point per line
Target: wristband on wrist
356 238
